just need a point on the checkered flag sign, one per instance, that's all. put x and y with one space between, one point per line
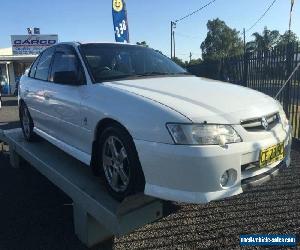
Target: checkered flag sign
120 21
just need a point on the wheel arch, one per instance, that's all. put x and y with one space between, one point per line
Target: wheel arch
20 104
101 125
104 123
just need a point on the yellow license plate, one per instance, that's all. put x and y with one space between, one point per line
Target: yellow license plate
271 155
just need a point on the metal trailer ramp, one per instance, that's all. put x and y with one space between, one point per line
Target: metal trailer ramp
97 216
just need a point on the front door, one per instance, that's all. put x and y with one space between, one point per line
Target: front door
65 94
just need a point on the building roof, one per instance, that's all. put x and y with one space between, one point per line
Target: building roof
7 56
18 58
6 51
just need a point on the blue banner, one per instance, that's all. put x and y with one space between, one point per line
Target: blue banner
268 240
119 13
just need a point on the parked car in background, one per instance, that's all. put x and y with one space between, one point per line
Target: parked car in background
145 125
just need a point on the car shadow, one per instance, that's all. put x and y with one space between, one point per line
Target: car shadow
9 125
9 103
169 207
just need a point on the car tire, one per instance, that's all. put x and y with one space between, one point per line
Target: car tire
118 163
26 123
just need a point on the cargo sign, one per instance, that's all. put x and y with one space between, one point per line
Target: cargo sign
31 44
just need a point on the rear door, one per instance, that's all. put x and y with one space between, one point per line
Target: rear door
33 92
65 95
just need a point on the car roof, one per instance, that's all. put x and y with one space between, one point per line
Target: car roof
76 43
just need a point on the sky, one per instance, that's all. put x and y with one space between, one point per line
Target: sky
91 20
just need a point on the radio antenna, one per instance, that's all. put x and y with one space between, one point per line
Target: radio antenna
283 86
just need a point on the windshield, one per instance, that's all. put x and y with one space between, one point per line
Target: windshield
115 61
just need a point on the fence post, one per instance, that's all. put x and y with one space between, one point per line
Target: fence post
289 68
220 70
245 73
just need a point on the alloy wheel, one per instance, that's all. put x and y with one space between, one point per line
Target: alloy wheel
115 164
26 121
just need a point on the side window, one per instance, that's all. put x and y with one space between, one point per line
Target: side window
66 68
42 69
33 67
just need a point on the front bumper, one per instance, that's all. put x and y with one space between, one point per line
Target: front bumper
192 173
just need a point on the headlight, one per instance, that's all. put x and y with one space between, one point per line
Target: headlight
282 115
203 134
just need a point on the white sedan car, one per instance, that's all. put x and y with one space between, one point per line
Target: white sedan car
145 125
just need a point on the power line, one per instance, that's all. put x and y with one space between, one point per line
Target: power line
173 26
187 36
194 12
262 16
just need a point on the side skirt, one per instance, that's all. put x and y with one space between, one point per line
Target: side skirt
76 153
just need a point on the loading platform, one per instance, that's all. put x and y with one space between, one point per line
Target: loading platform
97 216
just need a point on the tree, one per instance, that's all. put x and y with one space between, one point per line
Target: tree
288 37
267 40
221 41
143 43
250 46
158 51
193 61
179 62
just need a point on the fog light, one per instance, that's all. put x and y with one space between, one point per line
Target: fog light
228 178
224 179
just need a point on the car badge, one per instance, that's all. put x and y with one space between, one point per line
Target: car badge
264 123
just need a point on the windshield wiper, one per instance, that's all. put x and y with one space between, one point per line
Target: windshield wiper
115 77
163 74
153 74
118 77
183 73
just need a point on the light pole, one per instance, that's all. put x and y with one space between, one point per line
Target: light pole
244 35
174 54
173 26
290 21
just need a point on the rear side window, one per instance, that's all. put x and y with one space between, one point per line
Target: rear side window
33 67
42 69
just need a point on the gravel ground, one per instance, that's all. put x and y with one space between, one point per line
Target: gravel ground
34 214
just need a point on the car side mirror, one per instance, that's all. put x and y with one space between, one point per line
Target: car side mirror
67 77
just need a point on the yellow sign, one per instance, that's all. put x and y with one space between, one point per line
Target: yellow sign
271 155
117 5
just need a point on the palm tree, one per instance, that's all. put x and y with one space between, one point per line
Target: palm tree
267 40
250 46
288 37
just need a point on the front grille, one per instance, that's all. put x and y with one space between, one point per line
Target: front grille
255 124
248 170
261 178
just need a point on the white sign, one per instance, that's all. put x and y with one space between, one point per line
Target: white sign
31 44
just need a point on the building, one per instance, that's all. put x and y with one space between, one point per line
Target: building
11 68
16 59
